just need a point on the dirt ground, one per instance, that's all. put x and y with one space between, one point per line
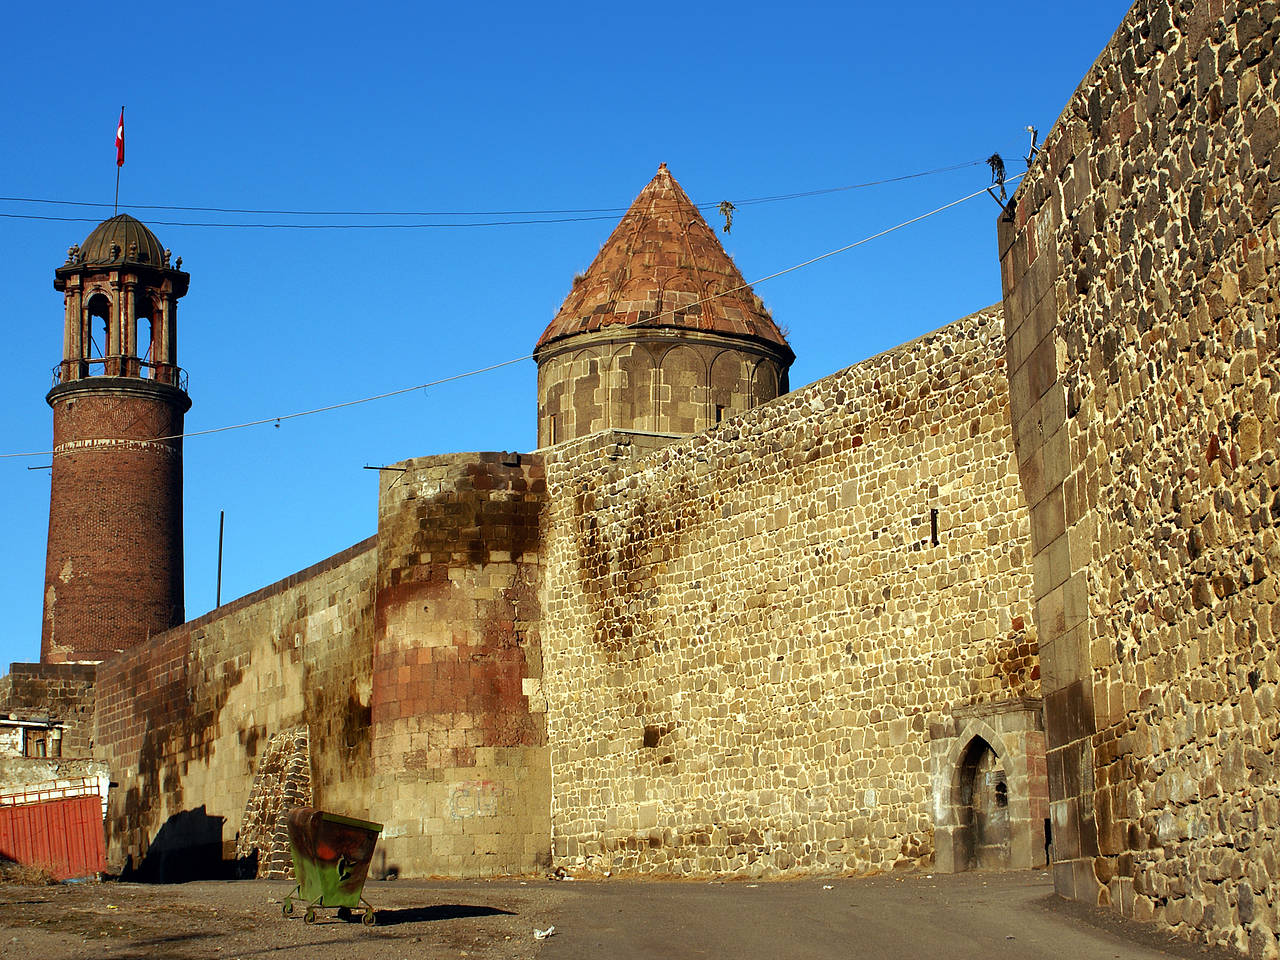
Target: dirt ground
966 915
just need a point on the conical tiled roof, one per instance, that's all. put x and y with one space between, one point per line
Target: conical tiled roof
663 267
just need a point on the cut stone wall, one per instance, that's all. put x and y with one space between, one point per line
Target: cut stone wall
460 765
663 381
1140 289
748 634
62 691
183 718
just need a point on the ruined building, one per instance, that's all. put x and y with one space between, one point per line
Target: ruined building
1023 568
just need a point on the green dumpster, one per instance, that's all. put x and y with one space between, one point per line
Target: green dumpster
331 855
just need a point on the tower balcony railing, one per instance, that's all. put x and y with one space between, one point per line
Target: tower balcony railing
120 366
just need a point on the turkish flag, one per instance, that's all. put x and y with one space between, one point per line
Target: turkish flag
120 140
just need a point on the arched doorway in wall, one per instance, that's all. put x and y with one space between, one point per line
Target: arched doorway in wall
990 788
982 808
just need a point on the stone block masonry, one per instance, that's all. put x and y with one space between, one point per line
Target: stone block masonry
748 635
1141 263
64 692
459 734
183 719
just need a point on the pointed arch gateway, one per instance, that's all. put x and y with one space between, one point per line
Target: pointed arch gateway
990 791
981 799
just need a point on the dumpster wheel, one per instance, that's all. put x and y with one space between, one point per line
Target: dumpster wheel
370 918
310 915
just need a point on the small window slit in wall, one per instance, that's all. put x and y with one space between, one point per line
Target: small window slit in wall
719 413
933 526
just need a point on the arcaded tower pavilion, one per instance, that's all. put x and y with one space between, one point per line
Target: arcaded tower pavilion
113 575
661 333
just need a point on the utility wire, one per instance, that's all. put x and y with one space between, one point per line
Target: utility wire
316 226
605 212
528 356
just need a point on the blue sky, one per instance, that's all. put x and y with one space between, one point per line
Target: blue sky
424 107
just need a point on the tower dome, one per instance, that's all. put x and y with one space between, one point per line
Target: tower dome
122 239
661 333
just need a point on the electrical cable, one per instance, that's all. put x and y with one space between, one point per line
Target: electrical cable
529 356
317 226
606 212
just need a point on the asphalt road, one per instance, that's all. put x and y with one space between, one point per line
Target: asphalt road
974 915
989 916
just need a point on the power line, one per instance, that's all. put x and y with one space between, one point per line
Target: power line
315 226
529 356
602 213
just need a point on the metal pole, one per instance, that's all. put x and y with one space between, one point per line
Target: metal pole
116 206
222 520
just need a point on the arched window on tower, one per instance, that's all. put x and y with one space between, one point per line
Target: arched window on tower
97 346
144 327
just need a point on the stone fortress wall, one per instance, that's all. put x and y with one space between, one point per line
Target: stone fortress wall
398 681
460 769
744 652
736 653
184 718
1141 307
750 636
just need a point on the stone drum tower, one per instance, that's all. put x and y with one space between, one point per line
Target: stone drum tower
661 333
113 574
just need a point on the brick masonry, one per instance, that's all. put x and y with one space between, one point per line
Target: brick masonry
750 635
113 501
1140 278
743 652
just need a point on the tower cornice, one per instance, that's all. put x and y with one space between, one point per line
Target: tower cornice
120 387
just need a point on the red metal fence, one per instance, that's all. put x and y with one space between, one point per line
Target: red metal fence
64 837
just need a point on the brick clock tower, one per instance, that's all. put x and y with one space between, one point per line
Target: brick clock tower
114 572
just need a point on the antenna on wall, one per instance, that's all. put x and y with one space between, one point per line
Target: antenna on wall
222 521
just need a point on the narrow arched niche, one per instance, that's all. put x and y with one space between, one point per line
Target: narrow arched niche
980 800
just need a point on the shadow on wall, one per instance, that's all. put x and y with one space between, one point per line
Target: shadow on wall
379 869
189 847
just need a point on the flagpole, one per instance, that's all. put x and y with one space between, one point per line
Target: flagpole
115 209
